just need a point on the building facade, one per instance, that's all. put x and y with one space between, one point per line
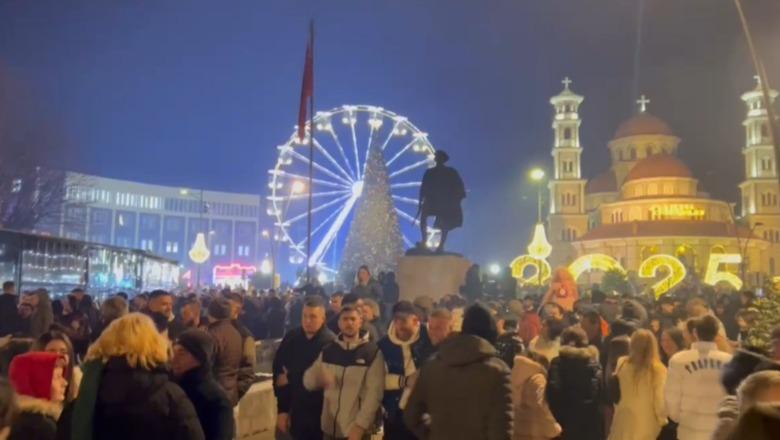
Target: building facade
649 202
165 221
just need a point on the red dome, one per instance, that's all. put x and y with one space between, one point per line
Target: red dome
661 165
643 123
604 182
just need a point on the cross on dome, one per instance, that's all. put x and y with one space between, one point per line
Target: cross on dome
642 101
566 83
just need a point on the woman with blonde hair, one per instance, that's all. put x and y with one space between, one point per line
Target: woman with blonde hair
640 412
126 393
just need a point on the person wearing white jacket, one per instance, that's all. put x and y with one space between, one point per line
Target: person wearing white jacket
693 389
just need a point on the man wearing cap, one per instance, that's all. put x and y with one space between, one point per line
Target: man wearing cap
227 347
191 365
405 348
441 192
298 409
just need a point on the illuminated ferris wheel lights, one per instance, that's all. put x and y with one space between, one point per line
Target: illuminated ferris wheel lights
298 187
341 158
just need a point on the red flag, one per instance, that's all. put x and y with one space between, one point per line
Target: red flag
307 89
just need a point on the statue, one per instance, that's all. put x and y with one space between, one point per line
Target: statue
440 195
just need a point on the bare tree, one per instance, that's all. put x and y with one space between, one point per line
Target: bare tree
32 187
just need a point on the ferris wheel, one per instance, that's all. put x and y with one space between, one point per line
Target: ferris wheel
342 139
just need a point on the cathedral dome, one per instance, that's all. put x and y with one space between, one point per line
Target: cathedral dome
643 124
604 182
661 165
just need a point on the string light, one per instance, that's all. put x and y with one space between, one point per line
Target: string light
713 276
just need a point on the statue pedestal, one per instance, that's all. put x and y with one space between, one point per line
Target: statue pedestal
434 276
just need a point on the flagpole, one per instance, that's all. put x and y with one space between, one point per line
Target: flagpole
311 157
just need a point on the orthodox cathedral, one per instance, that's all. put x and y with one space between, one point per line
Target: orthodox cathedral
649 202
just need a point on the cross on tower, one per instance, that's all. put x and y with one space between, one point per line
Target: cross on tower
642 101
566 83
758 79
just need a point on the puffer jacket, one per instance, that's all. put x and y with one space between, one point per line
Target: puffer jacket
402 360
139 404
359 372
465 389
574 392
228 352
693 390
533 418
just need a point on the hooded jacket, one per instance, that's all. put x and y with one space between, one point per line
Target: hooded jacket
402 359
694 390
533 418
466 391
574 391
354 398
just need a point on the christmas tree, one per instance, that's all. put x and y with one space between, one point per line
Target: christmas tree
768 308
374 237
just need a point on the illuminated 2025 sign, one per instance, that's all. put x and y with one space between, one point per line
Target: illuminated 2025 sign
674 269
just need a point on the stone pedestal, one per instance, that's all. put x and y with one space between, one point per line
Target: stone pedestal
431 275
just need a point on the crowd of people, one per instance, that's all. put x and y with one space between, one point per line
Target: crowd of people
363 363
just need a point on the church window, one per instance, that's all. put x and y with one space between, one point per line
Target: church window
567 133
652 189
764 131
649 151
632 154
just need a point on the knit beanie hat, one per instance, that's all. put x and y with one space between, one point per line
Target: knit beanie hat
31 373
478 321
219 309
199 343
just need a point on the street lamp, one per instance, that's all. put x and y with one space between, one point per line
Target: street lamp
743 251
494 269
537 176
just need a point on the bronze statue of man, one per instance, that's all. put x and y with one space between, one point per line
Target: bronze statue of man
440 195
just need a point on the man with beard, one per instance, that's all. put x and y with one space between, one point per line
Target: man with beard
299 409
350 370
405 347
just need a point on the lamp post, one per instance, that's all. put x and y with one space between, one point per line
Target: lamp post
268 236
743 251
537 176
202 257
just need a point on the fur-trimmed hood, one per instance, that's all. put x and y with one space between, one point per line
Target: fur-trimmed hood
39 406
589 352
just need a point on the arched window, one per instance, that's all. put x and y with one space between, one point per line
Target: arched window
632 154
567 133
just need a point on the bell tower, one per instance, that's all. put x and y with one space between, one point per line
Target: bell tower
568 219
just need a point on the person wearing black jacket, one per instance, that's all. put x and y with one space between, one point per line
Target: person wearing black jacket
10 322
191 366
575 387
299 409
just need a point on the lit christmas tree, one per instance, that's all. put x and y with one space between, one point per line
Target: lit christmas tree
374 237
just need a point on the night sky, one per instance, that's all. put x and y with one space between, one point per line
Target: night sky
198 93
